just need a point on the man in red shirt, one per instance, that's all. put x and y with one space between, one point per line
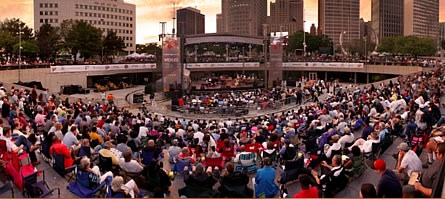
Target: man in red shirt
61 149
308 190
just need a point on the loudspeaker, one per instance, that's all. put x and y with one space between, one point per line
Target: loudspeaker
175 104
274 83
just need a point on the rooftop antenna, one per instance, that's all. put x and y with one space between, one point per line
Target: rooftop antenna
174 18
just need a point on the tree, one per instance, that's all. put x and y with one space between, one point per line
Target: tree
313 43
48 41
112 44
7 42
442 44
150 48
12 26
82 38
408 45
30 49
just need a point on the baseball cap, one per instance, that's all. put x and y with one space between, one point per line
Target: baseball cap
380 165
403 146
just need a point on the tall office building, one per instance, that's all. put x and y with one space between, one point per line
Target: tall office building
441 31
107 15
244 17
286 16
387 18
190 21
219 23
313 31
339 17
422 18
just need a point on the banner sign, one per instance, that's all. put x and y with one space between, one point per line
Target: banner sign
171 63
323 65
223 65
91 68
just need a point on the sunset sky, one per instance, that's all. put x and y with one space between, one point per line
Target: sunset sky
150 12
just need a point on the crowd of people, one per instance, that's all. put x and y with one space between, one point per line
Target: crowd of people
318 138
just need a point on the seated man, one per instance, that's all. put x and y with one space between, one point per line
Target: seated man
366 145
234 183
407 162
336 180
129 165
241 161
200 183
128 190
424 188
90 177
157 180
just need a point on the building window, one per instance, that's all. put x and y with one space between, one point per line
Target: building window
46 12
50 5
50 20
46 5
41 5
76 6
56 20
50 12
76 14
46 20
41 20
56 5
41 12
56 13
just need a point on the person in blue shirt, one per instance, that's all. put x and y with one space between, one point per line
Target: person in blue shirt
265 181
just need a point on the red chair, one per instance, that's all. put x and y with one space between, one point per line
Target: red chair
253 148
214 162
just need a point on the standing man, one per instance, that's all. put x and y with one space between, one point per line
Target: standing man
389 185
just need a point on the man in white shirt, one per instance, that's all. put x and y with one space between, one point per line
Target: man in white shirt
143 130
407 162
10 146
128 164
347 138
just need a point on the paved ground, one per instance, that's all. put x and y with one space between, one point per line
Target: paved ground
352 190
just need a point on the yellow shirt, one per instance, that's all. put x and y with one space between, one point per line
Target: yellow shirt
96 136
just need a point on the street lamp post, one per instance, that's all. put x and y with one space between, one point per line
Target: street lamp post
227 52
341 43
20 49
243 60
304 39
102 58
196 53
250 51
366 60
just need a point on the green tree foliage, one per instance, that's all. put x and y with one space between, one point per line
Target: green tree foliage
313 43
112 44
150 48
408 45
442 44
30 49
82 38
9 37
48 41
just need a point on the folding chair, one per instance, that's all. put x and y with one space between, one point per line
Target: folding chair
106 164
59 166
214 162
84 192
7 187
38 189
247 162
272 156
374 154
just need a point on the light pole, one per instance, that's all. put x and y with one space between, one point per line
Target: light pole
250 51
227 52
304 39
366 60
102 58
366 48
20 48
341 43
243 60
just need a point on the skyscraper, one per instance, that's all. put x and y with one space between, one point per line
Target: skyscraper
339 17
286 15
442 31
190 21
387 18
244 17
422 18
105 15
313 30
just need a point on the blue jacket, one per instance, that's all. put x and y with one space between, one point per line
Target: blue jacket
265 183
